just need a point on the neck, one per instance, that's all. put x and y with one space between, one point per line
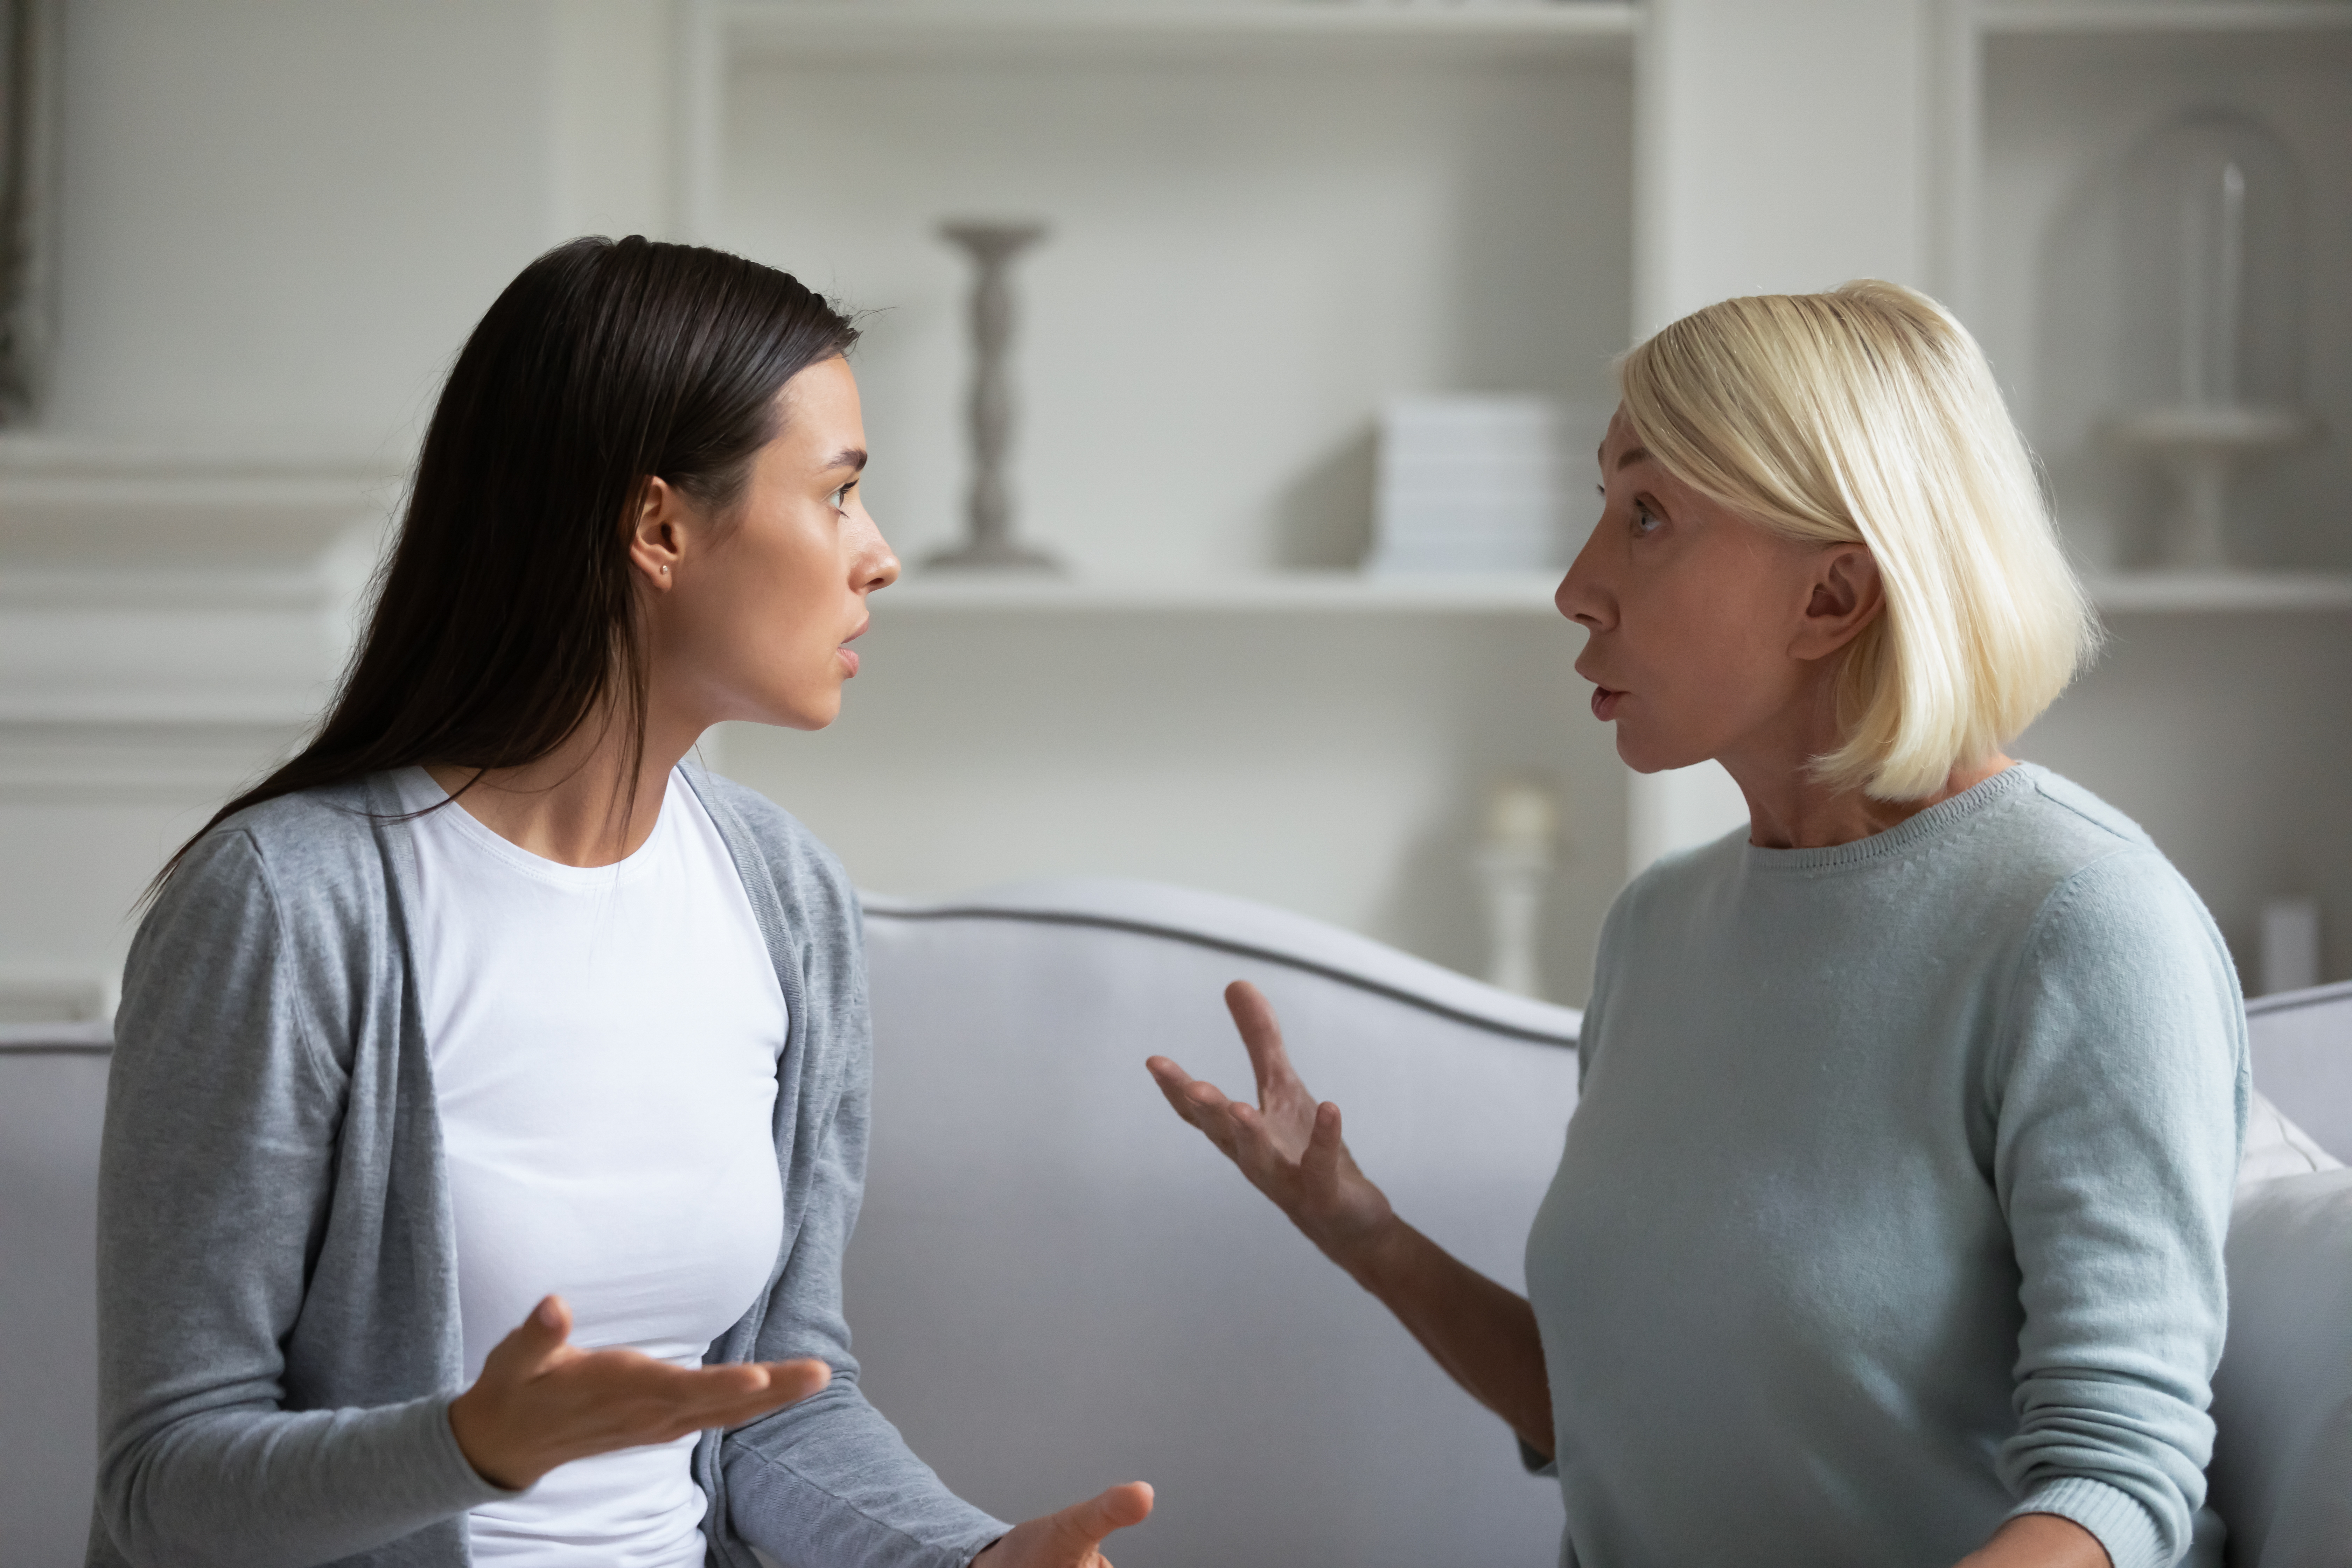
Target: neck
574 805
1788 808
1793 810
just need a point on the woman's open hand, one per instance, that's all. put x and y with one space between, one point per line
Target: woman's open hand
541 1402
1288 1144
1072 1538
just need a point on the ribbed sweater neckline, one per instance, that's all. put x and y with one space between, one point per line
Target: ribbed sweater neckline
1941 818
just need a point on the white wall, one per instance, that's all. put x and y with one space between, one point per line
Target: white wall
278 220
281 219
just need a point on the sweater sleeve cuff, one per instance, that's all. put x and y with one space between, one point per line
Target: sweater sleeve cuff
454 1470
2122 1523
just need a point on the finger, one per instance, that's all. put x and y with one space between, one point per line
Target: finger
1174 1082
1324 1147
532 1345
789 1383
664 1401
1202 1104
1217 1117
1261 1037
1078 1530
793 1381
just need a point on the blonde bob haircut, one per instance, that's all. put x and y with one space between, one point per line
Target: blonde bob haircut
1869 415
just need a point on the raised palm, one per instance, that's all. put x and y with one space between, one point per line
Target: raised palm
1288 1146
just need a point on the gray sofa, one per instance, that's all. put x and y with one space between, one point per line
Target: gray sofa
1056 1285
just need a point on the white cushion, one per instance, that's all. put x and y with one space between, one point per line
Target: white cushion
2281 1472
2277 1146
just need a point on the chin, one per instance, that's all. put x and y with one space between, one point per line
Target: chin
1644 755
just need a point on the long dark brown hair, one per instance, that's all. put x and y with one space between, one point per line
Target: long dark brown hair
506 615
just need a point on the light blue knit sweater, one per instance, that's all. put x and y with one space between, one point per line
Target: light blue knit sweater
1894 1200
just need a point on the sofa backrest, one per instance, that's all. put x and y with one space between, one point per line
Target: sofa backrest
1057 1285
52 1096
2281 1470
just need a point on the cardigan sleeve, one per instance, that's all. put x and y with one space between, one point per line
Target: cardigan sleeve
2115 1158
216 1177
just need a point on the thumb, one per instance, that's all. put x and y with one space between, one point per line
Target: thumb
1078 1530
1321 1159
526 1352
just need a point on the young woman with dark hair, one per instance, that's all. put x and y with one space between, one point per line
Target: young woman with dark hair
488 1108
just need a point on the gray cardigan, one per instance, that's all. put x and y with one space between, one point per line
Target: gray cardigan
278 1293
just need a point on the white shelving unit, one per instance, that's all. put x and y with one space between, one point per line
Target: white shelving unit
903 29
2215 715
1266 219
1199 511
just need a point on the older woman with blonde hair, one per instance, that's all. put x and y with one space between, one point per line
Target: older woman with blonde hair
1889 1224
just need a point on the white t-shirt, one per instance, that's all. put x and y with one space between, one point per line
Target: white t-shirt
604 1045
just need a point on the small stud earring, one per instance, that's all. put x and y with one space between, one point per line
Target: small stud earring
665 570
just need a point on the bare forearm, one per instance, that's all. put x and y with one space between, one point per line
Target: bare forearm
1483 1335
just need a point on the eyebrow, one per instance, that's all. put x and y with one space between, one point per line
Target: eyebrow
850 458
1629 456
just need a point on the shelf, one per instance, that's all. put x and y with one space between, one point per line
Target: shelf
1284 593
2221 593
1516 594
1163 29
2061 18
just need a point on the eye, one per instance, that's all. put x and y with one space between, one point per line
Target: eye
1646 521
839 500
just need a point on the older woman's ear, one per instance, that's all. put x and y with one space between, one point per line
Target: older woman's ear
1847 595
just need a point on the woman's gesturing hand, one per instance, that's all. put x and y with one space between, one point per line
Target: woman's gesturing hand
541 1402
1072 1538
1288 1144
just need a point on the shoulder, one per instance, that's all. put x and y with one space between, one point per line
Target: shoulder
272 924
2060 820
312 856
2119 948
2094 873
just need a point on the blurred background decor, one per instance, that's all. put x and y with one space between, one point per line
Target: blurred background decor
275 222
2212 298
28 94
989 418
1470 483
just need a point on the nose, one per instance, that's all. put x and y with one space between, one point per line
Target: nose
877 563
1582 596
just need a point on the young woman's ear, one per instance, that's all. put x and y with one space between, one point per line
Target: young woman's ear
1846 594
657 532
